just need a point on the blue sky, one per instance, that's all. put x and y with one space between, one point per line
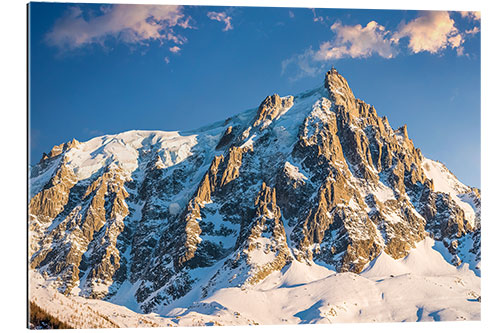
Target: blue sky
104 69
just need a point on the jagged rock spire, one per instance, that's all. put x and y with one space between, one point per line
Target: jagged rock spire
339 89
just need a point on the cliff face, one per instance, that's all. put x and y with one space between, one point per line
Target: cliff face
317 177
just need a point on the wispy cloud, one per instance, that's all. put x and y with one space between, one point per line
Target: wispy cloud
221 17
302 65
318 18
133 24
93 132
431 31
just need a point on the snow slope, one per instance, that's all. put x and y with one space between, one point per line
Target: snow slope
446 182
419 287
80 312
423 286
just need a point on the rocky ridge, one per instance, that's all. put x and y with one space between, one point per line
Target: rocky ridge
318 177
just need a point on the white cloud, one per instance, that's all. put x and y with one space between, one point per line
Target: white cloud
221 17
432 31
476 16
357 41
175 49
456 40
472 31
135 24
167 60
291 14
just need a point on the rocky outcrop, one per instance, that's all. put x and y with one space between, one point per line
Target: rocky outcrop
263 247
48 204
270 109
267 234
222 171
59 149
226 138
79 230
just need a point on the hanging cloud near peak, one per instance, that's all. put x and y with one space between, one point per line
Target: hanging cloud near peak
430 31
357 41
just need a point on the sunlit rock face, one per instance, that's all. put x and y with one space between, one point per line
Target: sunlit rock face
314 178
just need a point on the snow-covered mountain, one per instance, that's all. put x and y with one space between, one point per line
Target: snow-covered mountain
309 208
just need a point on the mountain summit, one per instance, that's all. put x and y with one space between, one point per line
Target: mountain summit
153 220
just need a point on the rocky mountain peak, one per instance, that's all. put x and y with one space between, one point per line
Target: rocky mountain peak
339 90
316 179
